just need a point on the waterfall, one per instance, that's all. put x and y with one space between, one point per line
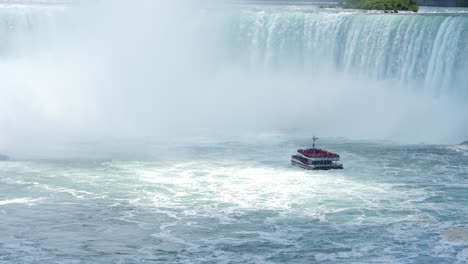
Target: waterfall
28 30
419 50
75 71
423 51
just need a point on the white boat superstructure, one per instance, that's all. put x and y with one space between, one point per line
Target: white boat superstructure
316 159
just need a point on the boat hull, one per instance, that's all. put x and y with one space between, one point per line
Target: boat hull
316 167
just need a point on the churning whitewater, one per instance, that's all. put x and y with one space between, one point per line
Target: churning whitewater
239 203
162 133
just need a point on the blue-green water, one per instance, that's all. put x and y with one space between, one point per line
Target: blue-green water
237 202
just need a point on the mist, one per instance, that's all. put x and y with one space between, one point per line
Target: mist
115 70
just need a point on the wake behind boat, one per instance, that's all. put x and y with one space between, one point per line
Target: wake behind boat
316 159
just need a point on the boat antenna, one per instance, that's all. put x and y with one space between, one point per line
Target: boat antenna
314 139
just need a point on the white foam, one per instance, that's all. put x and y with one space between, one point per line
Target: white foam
457 236
463 148
462 257
29 201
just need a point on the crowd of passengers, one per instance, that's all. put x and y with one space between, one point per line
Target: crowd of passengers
317 153
304 160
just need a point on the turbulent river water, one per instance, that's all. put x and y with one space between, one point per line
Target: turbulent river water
137 200
237 202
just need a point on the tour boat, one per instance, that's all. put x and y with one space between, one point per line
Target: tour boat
316 159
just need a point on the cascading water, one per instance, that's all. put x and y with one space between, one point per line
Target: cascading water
23 30
379 55
421 51
418 60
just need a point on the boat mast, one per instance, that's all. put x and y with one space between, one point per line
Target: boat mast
314 139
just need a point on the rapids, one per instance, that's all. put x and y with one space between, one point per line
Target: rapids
233 202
